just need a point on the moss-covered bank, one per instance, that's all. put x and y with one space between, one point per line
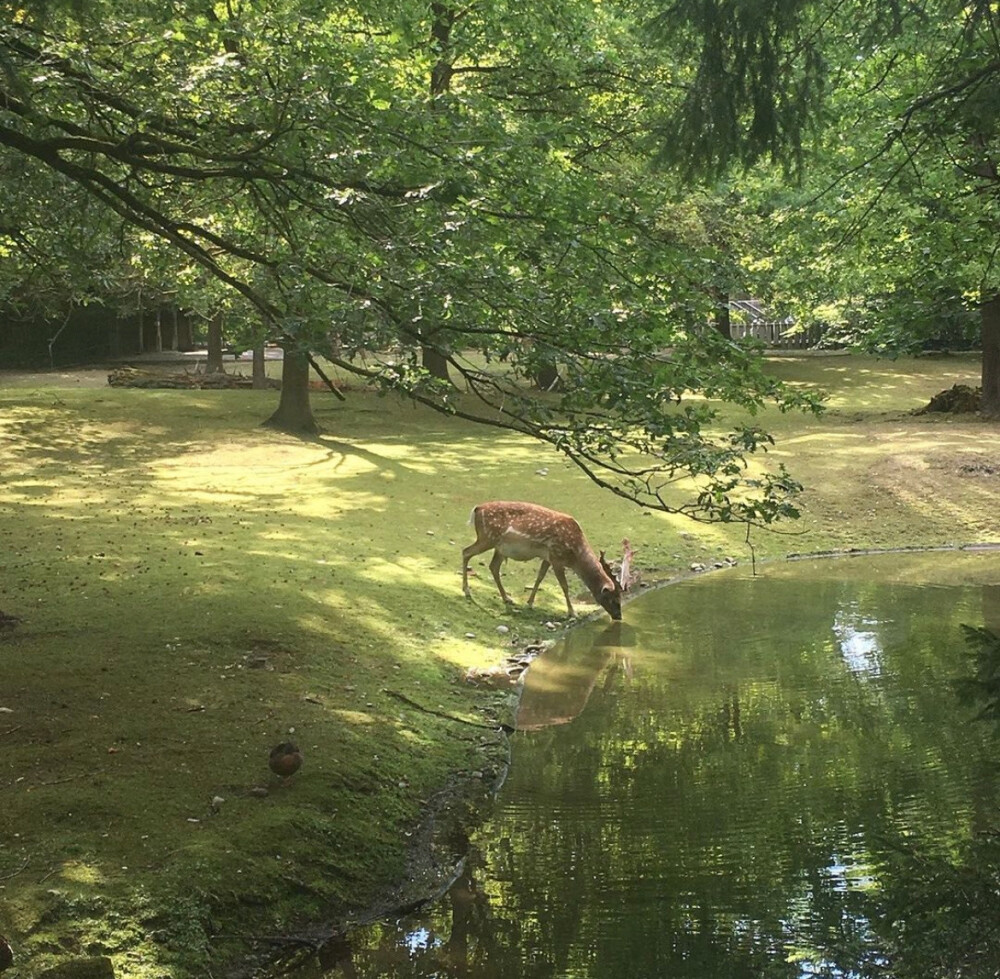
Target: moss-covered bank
192 588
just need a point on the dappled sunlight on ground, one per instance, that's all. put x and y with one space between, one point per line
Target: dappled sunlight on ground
862 382
825 437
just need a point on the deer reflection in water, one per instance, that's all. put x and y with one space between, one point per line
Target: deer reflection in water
560 682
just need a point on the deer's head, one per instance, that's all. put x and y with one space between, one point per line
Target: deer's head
610 596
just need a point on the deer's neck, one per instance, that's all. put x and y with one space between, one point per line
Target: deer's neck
590 571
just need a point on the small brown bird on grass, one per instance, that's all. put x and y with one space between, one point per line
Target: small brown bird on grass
6 955
285 759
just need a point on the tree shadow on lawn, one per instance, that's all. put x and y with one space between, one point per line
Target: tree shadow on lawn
186 603
861 382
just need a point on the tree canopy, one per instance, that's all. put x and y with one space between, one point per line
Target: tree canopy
427 183
456 203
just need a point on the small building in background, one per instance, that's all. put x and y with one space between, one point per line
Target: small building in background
749 317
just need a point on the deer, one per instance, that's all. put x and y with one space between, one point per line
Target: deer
524 531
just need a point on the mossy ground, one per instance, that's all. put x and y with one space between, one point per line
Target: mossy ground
193 588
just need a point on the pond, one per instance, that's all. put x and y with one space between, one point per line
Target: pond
736 781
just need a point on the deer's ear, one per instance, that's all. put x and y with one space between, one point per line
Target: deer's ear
607 570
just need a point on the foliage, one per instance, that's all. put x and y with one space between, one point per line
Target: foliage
304 168
887 231
940 914
888 114
753 89
983 687
940 906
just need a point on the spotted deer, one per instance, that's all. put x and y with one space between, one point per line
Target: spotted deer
524 531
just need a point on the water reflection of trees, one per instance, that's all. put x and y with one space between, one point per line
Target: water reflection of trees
724 793
939 903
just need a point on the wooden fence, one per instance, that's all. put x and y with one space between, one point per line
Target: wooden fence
778 335
749 317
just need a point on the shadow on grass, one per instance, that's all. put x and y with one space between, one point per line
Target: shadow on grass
193 589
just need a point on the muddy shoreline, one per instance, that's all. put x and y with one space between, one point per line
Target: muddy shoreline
435 856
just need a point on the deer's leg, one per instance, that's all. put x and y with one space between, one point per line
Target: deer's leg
542 571
560 574
467 554
495 568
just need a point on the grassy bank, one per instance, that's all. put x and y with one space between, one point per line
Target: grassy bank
192 589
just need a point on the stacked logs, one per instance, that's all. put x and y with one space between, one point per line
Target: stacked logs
131 377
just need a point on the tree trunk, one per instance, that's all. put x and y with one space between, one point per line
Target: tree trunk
185 332
259 370
294 412
434 362
723 320
547 377
443 19
214 345
989 403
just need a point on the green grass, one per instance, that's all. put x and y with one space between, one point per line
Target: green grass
194 588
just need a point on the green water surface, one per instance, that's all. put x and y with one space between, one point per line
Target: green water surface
745 778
